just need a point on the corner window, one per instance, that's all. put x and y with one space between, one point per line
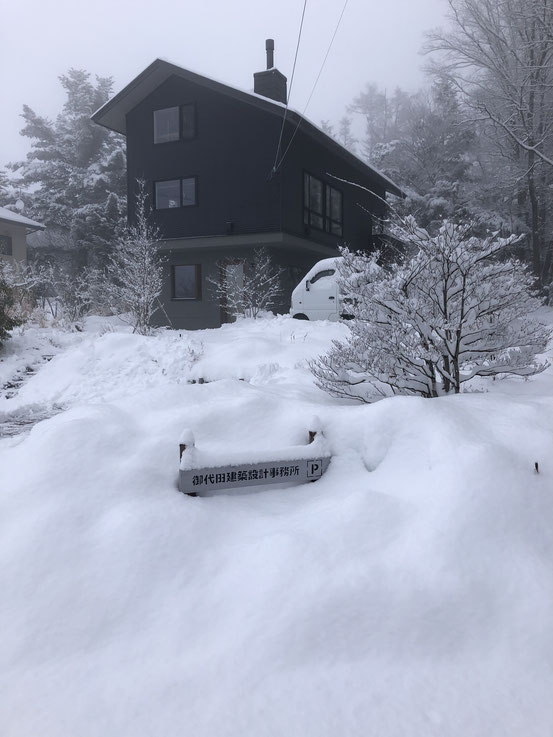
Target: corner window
175 193
322 205
166 125
186 281
333 210
174 123
6 247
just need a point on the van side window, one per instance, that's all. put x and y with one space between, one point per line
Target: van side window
322 274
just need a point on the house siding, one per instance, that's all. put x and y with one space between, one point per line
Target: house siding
19 242
206 312
231 155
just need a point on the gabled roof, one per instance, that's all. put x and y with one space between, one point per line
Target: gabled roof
7 216
113 113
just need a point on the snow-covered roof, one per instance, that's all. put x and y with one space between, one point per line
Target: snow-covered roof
8 216
112 114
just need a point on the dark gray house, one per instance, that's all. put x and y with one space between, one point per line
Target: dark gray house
207 153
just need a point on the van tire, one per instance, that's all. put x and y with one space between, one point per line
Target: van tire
300 316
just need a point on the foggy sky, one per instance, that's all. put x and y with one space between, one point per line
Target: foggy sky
378 41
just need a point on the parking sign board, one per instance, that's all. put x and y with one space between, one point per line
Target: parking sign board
205 480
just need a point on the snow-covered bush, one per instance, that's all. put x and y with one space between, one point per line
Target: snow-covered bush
50 290
23 280
453 311
8 319
248 287
135 273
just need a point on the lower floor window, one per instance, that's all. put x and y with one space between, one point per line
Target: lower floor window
186 281
6 248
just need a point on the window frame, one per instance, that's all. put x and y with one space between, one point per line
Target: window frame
310 215
180 131
8 240
181 204
181 122
160 110
197 284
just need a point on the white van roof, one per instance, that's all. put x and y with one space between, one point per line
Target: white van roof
326 263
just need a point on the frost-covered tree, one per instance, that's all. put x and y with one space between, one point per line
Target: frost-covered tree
381 115
499 53
4 187
422 142
457 309
249 287
53 289
135 272
345 134
327 128
74 177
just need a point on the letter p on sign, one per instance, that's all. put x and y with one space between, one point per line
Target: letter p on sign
314 469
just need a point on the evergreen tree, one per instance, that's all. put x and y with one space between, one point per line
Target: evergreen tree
4 183
75 172
345 135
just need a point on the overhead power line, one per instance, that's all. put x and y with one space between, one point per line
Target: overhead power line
279 164
290 90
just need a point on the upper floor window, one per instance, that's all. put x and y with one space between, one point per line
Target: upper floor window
175 193
166 125
188 120
174 123
322 205
6 248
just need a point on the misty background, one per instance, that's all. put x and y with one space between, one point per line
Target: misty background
377 42
465 129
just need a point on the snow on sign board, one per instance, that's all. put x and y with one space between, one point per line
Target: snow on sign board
201 473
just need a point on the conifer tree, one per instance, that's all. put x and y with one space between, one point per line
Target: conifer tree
74 174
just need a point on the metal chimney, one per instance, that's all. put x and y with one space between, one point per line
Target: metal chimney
270 49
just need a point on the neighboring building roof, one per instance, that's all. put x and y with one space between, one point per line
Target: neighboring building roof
113 113
7 216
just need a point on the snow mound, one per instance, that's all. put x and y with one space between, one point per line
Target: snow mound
407 592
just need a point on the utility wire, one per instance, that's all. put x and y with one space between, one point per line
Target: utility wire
277 166
290 90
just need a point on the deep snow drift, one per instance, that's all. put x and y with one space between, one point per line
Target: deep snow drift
408 592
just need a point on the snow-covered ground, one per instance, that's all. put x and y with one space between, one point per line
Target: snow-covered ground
408 592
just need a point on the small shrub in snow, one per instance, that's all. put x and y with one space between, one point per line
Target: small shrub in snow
8 319
428 324
249 288
23 280
135 273
50 290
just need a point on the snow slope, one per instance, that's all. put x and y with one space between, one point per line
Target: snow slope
408 592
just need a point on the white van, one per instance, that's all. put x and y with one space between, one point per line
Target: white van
316 296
